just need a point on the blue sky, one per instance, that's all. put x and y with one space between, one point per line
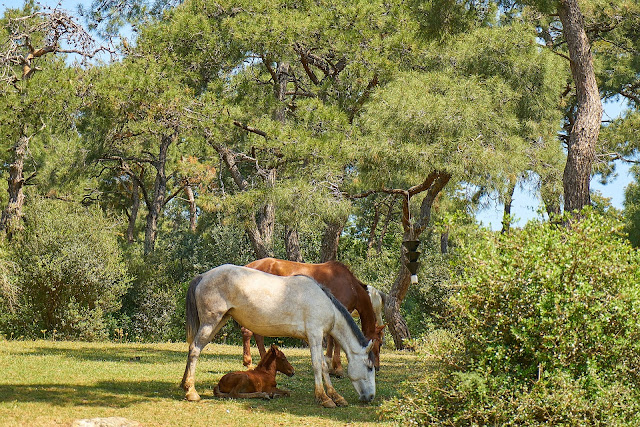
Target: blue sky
526 203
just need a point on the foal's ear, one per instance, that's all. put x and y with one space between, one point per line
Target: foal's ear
369 346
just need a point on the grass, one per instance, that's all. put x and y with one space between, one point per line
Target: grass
48 383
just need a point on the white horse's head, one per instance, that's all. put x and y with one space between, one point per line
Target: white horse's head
362 374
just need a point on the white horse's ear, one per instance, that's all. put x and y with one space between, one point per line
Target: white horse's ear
369 346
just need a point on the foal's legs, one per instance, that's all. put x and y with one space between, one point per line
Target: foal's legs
205 334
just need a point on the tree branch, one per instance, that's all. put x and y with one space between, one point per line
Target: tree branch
250 129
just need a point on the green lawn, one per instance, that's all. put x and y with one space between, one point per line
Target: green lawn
46 383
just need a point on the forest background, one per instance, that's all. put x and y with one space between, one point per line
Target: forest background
143 143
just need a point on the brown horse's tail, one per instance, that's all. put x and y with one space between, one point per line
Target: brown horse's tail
193 320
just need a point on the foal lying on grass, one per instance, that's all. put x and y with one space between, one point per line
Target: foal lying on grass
259 382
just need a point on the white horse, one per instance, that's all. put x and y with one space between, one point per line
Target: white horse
295 306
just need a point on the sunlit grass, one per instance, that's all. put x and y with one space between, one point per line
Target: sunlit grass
55 382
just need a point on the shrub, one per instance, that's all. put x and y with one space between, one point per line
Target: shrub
69 271
548 331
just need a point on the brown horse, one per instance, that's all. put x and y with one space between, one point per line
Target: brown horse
346 288
259 382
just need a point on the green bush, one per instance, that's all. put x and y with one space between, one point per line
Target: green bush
68 272
547 329
153 307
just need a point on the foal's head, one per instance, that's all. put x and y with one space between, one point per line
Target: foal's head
275 355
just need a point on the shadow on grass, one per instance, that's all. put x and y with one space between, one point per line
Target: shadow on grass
120 394
126 354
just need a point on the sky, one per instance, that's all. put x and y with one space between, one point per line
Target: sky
526 203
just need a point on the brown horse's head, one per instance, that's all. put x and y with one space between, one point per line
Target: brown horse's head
282 364
377 342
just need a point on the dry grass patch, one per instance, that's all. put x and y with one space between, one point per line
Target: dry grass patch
47 383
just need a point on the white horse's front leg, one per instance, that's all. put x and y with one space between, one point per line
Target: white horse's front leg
333 394
319 368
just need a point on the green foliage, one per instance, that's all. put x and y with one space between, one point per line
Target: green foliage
441 19
553 298
470 113
547 331
632 209
69 272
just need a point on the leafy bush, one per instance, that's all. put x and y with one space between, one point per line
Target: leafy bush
69 271
547 329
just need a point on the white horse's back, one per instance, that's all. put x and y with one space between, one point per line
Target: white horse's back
266 304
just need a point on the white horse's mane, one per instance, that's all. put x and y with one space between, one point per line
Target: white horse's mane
345 313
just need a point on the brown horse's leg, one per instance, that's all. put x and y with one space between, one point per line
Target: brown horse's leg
246 346
260 344
329 356
276 392
237 395
333 358
336 363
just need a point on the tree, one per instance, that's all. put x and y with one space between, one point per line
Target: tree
134 120
599 40
473 122
34 106
584 131
302 75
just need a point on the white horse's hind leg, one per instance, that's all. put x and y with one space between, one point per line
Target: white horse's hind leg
203 337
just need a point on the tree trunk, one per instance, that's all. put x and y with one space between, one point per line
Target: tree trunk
260 230
433 184
193 211
444 241
135 206
508 201
292 244
159 194
396 324
584 133
11 218
280 91
330 240
374 227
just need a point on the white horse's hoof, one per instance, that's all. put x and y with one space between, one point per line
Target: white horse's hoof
192 395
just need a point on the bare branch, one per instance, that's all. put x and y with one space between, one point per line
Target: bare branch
60 33
250 129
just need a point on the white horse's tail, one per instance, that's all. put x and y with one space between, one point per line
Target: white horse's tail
193 320
383 296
